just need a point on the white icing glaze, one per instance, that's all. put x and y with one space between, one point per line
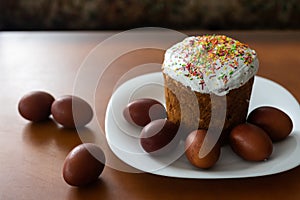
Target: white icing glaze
211 63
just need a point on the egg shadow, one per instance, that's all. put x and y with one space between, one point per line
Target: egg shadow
50 133
39 134
96 190
69 138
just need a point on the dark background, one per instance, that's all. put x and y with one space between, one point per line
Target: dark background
126 14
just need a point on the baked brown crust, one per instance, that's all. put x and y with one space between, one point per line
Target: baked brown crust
181 100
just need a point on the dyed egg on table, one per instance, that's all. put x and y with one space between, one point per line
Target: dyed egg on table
71 111
36 106
83 165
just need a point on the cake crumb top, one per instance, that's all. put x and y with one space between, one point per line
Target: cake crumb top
211 63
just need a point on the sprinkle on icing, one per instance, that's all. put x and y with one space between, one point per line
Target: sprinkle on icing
211 63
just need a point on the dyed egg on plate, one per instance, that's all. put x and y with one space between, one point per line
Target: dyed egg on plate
276 123
193 145
250 142
140 112
158 137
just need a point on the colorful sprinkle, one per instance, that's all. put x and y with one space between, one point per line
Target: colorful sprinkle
210 58
213 48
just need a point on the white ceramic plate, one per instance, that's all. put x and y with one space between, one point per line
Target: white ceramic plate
123 137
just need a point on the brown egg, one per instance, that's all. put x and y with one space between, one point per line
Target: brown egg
277 124
158 134
71 111
194 143
250 142
140 112
36 106
83 165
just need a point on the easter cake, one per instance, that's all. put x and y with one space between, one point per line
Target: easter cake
205 75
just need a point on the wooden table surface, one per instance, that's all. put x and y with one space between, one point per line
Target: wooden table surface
31 155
